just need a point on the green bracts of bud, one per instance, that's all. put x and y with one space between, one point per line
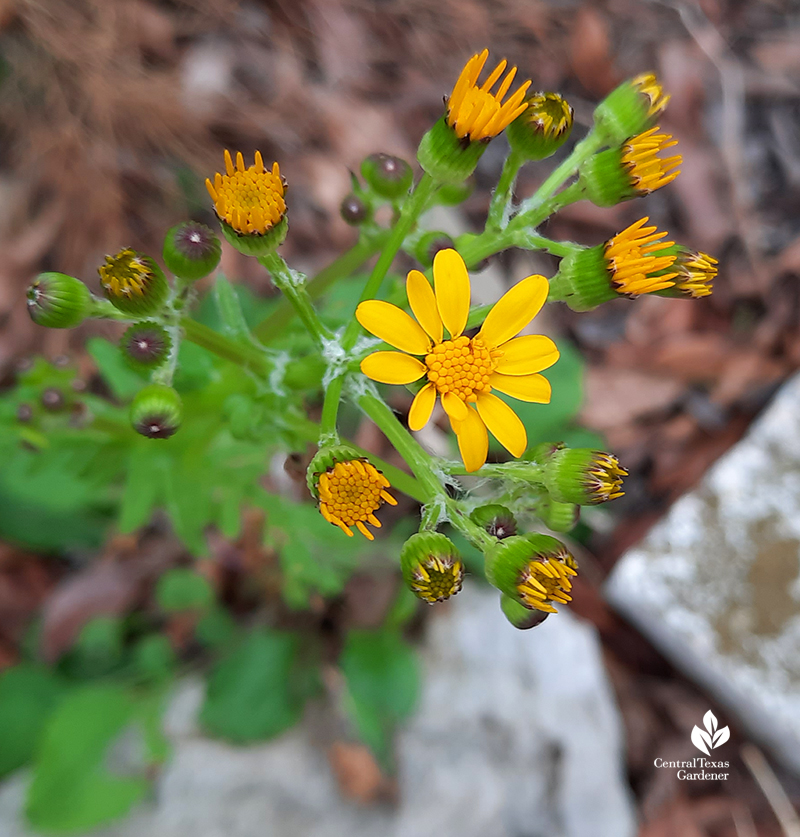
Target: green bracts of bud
520 616
156 411
542 128
256 244
145 345
534 570
495 519
56 300
558 517
583 476
432 566
604 179
387 176
445 157
584 277
191 251
133 283
429 244
630 109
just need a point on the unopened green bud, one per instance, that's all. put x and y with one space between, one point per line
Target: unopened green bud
56 300
542 128
558 517
520 616
191 250
432 566
156 411
133 283
497 520
446 157
452 194
631 108
583 476
146 345
388 176
535 570
429 244
53 399
354 210
631 171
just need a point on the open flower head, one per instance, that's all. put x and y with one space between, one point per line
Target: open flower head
477 113
463 371
636 260
350 492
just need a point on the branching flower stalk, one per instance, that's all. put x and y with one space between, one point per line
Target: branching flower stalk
475 362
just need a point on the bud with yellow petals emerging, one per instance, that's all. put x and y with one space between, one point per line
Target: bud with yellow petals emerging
432 566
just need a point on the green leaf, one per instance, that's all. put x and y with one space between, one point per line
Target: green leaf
216 629
383 681
154 658
315 556
189 506
28 694
72 790
183 589
250 693
123 382
143 486
230 309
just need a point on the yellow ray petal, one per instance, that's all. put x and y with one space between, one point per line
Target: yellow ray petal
451 280
473 440
422 300
422 407
392 368
514 310
534 388
527 354
504 423
393 325
454 406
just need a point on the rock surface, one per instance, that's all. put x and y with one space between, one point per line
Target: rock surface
716 584
516 735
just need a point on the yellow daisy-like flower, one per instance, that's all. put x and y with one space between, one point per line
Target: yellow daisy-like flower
648 85
636 262
350 493
647 171
250 200
463 370
476 112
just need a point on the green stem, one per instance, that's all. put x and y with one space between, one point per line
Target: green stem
293 287
527 240
345 265
243 354
588 146
404 443
504 192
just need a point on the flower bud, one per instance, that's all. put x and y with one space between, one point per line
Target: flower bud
146 345
133 283
583 476
631 108
432 566
429 244
558 517
250 205
542 128
387 176
56 300
354 210
631 263
191 250
349 489
696 272
630 171
446 157
533 570
520 616
452 194
497 520
53 399
156 411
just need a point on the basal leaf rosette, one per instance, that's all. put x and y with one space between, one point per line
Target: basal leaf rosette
463 371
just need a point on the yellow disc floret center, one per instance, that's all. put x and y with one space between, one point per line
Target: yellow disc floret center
547 580
125 274
350 493
438 578
461 366
604 477
251 200
696 274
